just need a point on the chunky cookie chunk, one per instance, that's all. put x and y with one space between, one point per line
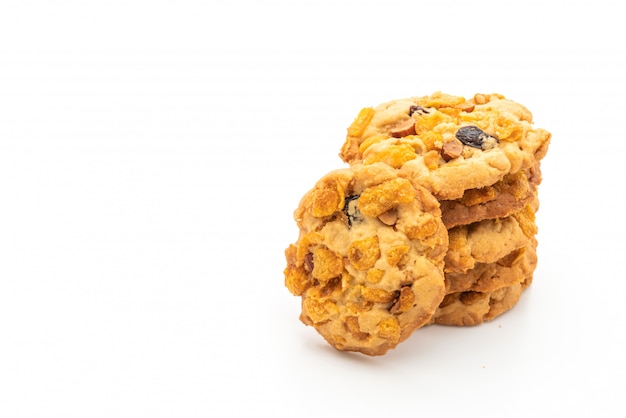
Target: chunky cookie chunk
446 143
511 269
490 240
502 199
472 308
368 262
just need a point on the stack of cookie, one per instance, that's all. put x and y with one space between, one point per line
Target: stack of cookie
470 168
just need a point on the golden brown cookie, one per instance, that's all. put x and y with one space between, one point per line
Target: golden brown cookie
472 308
446 143
511 269
490 240
501 199
368 262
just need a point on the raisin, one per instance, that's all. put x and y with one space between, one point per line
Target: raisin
475 137
351 210
419 109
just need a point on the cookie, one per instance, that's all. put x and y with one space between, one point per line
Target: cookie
502 199
511 269
368 263
489 240
473 308
448 144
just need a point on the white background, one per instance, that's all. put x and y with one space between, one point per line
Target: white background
152 154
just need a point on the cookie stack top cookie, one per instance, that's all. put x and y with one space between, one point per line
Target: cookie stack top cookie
432 222
446 143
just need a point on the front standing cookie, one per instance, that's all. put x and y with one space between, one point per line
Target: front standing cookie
368 262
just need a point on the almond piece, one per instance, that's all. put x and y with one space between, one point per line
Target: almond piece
406 128
451 149
389 218
465 107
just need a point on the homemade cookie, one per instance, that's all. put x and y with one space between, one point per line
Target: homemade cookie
487 277
445 143
490 240
472 308
502 199
368 262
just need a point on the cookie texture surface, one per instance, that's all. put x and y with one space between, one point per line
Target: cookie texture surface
501 199
490 240
472 308
446 143
368 262
511 269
